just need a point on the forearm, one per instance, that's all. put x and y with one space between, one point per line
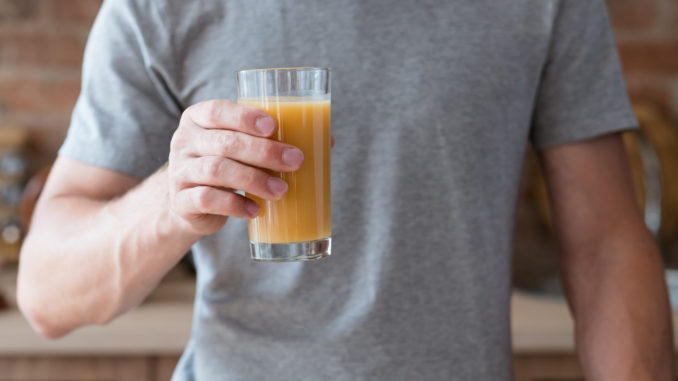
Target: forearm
619 299
86 261
92 254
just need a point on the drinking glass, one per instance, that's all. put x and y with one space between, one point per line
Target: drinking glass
298 226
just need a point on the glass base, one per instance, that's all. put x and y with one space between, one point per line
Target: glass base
295 251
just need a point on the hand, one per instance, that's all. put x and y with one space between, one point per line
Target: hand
218 147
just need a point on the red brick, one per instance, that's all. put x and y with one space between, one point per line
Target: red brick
649 57
44 50
81 11
18 10
38 97
632 14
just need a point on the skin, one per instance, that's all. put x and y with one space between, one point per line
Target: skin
613 272
75 272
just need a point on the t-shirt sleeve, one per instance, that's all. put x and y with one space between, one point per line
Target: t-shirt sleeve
582 92
126 114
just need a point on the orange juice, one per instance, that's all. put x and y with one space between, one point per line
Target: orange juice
303 214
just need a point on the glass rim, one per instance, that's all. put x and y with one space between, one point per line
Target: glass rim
291 68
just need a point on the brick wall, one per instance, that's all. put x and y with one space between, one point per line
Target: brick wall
647 37
41 45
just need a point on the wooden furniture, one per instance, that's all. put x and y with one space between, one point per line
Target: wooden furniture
142 345
85 369
543 339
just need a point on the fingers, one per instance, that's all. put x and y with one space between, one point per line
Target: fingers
252 150
223 128
225 114
204 200
219 172
219 146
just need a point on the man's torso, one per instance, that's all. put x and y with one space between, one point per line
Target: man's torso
432 103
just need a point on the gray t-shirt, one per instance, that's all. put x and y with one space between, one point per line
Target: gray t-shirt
434 103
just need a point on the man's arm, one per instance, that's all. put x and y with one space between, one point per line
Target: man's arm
100 241
93 227
613 272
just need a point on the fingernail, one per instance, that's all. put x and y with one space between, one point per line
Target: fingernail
277 186
252 208
292 157
265 125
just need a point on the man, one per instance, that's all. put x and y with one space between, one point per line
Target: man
433 105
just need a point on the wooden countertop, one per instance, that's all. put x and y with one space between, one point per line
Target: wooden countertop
152 329
162 325
540 324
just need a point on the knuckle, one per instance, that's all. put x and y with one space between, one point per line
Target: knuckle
174 143
186 115
172 169
203 199
267 149
230 200
250 178
174 190
175 202
230 142
245 117
212 111
222 138
240 116
178 139
191 114
176 175
230 203
212 168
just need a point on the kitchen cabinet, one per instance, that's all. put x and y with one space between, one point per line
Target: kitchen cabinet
98 368
75 369
142 345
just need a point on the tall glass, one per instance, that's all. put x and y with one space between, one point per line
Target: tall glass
298 226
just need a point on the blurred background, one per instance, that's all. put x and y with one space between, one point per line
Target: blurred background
41 48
